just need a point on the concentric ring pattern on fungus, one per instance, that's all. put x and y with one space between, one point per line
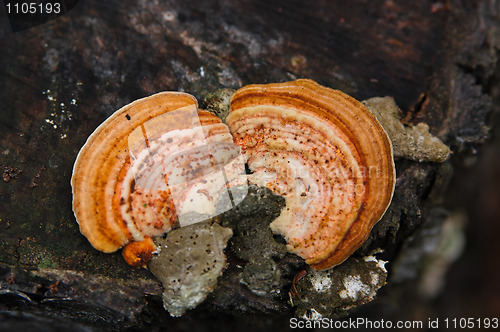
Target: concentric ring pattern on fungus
326 154
156 163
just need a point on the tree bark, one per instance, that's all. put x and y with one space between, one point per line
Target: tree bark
61 79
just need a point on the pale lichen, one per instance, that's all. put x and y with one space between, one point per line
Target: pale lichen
411 142
329 293
320 281
354 288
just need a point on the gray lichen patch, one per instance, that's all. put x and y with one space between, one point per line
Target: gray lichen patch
262 277
189 261
218 102
331 292
410 142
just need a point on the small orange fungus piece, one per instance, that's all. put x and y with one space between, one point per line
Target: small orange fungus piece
139 253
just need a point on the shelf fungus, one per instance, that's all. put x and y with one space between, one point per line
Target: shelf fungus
153 165
326 154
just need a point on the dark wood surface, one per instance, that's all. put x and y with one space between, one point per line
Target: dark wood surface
60 80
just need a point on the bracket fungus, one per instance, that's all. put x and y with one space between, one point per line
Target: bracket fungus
156 163
326 154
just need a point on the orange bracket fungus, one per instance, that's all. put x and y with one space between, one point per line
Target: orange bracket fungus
326 154
156 163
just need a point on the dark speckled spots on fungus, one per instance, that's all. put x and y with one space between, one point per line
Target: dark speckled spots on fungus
195 270
280 115
135 198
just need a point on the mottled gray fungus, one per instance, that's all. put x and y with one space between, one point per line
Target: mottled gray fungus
262 277
253 240
331 292
189 262
410 142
